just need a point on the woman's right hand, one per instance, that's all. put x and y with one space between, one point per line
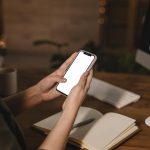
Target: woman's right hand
78 92
59 135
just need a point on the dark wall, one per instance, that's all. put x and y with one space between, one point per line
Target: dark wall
1 19
71 21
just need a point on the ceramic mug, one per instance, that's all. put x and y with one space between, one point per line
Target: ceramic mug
8 81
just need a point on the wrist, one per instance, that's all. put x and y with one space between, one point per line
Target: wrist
74 102
69 115
35 94
71 108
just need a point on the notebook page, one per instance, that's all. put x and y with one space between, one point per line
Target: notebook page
101 132
84 113
123 137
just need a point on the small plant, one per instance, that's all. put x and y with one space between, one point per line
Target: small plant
120 63
59 57
109 62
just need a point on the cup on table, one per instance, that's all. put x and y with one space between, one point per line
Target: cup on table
8 81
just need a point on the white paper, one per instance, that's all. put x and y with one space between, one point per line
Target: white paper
111 94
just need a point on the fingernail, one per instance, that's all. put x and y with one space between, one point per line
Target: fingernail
64 80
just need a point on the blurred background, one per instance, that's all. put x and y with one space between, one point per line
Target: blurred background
42 34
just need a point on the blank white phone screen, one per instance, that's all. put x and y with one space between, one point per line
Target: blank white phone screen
79 66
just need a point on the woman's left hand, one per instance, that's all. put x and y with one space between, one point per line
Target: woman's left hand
47 86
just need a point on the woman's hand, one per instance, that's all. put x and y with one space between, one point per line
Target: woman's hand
47 86
78 92
43 91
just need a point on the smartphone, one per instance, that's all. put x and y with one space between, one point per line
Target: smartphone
82 63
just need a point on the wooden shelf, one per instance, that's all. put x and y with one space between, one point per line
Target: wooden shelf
123 23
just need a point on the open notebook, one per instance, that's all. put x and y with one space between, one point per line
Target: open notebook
105 132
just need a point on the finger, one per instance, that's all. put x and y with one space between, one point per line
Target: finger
89 79
51 95
83 79
57 78
66 64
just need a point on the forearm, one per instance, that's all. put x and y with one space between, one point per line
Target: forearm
57 138
23 100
